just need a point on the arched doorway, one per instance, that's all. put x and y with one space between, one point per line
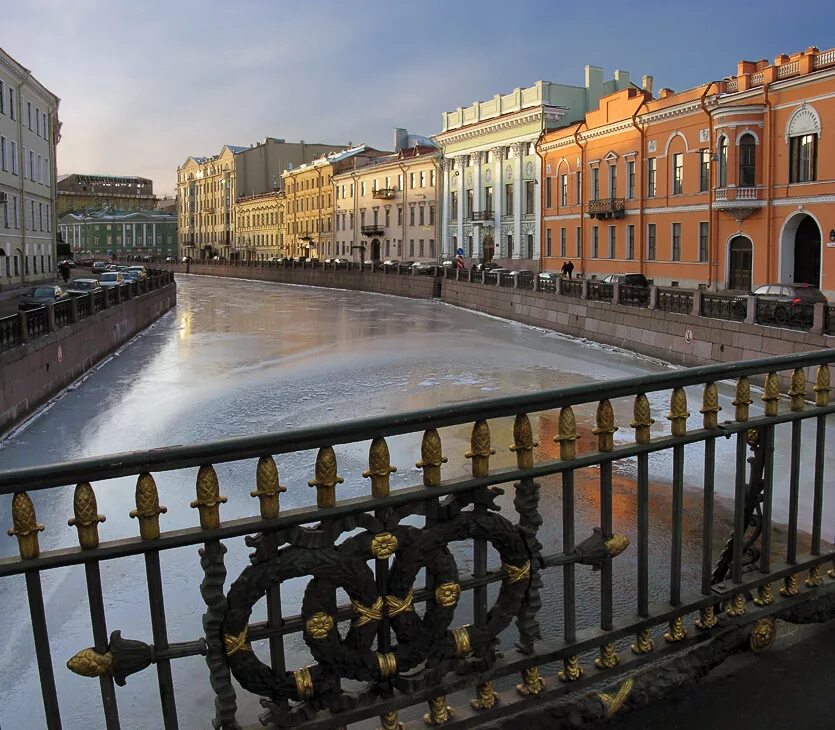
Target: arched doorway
375 249
807 253
488 248
740 260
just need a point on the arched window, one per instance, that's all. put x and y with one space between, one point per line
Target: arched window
723 162
802 134
747 161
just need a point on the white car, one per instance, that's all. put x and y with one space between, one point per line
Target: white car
112 278
83 286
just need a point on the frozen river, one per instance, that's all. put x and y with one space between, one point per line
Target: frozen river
239 357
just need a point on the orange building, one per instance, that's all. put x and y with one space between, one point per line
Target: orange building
729 185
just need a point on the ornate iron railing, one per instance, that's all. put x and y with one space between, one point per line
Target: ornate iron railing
10 332
395 654
37 322
63 313
546 284
721 306
489 277
599 291
506 279
571 288
785 314
830 319
675 300
633 296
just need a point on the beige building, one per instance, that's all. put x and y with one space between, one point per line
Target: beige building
389 208
208 189
259 226
310 200
86 193
29 133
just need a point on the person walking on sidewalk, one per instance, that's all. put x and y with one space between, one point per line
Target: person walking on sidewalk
567 269
64 269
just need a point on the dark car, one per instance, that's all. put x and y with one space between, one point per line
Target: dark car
524 276
40 296
427 268
627 279
98 267
486 266
787 303
80 287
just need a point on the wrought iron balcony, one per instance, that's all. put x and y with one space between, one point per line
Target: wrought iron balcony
383 193
605 208
375 229
482 216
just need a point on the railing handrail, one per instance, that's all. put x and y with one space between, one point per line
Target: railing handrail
236 448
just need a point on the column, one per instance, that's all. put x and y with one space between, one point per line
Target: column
539 191
517 200
154 235
475 159
444 211
462 167
498 199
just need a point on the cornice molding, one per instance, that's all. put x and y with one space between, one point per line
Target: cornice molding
489 126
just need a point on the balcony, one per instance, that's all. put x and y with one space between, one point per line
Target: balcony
482 217
383 194
739 203
604 208
375 229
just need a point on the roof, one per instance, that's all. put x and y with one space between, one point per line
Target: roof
111 216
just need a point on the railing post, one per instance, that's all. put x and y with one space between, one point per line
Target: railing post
515 281
50 318
615 293
584 289
74 310
118 289
697 303
91 304
751 309
653 297
818 319
24 326
498 279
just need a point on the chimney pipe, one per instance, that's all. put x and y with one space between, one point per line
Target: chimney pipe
646 83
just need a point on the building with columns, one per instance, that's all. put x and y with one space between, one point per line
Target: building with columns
29 134
259 226
388 209
492 172
123 234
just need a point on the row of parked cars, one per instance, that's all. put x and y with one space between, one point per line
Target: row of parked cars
109 275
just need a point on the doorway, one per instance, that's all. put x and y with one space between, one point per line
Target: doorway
741 259
807 253
488 248
375 249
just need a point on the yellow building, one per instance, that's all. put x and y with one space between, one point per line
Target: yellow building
259 221
388 209
310 200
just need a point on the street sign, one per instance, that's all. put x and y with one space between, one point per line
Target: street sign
460 251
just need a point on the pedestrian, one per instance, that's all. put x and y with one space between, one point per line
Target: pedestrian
64 268
570 269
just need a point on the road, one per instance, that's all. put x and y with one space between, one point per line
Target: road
239 357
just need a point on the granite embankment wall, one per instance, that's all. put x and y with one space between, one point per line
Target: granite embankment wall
678 338
33 372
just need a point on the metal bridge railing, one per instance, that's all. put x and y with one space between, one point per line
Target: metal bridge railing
398 640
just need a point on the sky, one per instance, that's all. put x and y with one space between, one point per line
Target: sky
143 85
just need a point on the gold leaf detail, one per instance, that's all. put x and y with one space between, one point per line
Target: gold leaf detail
485 697
383 545
678 412
676 631
643 642
790 587
148 508
367 614
439 711
743 399
771 396
304 684
447 594
379 468
523 443
267 487
763 634
326 478
208 498
612 703
387 664
605 426
461 637
608 658
395 605
707 618
616 544
822 385
234 644
516 573
89 663
710 406
571 671
480 451
642 421
431 458
86 517
567 433
532 682
319 625
25 526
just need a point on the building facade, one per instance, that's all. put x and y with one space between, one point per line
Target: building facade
310 195
726 186
208 189
29 133
122 234
389 208
94 192
491 170
259 226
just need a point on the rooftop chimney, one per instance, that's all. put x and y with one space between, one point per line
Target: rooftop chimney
646 83
401 139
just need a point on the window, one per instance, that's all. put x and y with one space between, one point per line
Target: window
432 178
431 215
3 165
411 247
432 248
630 179
747 161
412 180
630 242
420 215
547 192
595 183
678 173
488 199
508 199
562 241
468 213
420 248
388 217
578 238
563 189
530 246
612 241
595 242
578 188
3 111
423 179
703 241
453 206
529 197
613 181
723 162
704 170
651 177
547 241
12 112
509 244
362 187
676 242
803 158
13 149
29 114
651 242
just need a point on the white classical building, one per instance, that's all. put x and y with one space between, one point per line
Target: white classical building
29 131
491 169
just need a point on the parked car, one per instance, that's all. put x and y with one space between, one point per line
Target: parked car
426 268
68 262
372 262
170 260
40 296
339 261
524 274
80 287
110 279
550 275
788 303
98 267
628 279
141 271
486 266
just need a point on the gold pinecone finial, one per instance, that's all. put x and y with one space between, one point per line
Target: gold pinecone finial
567 433
86 518
822 385
605 427
678 412
267 487
742 400
148 508
641 419
326 478
710 406
480 451
26 527
379 468
431 458
771 396
89 663
797 390
208 498
523 443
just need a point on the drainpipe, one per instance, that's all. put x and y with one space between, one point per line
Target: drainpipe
768 178
405 201
643 132
21 175
713 257
541 220
354 228
582 196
